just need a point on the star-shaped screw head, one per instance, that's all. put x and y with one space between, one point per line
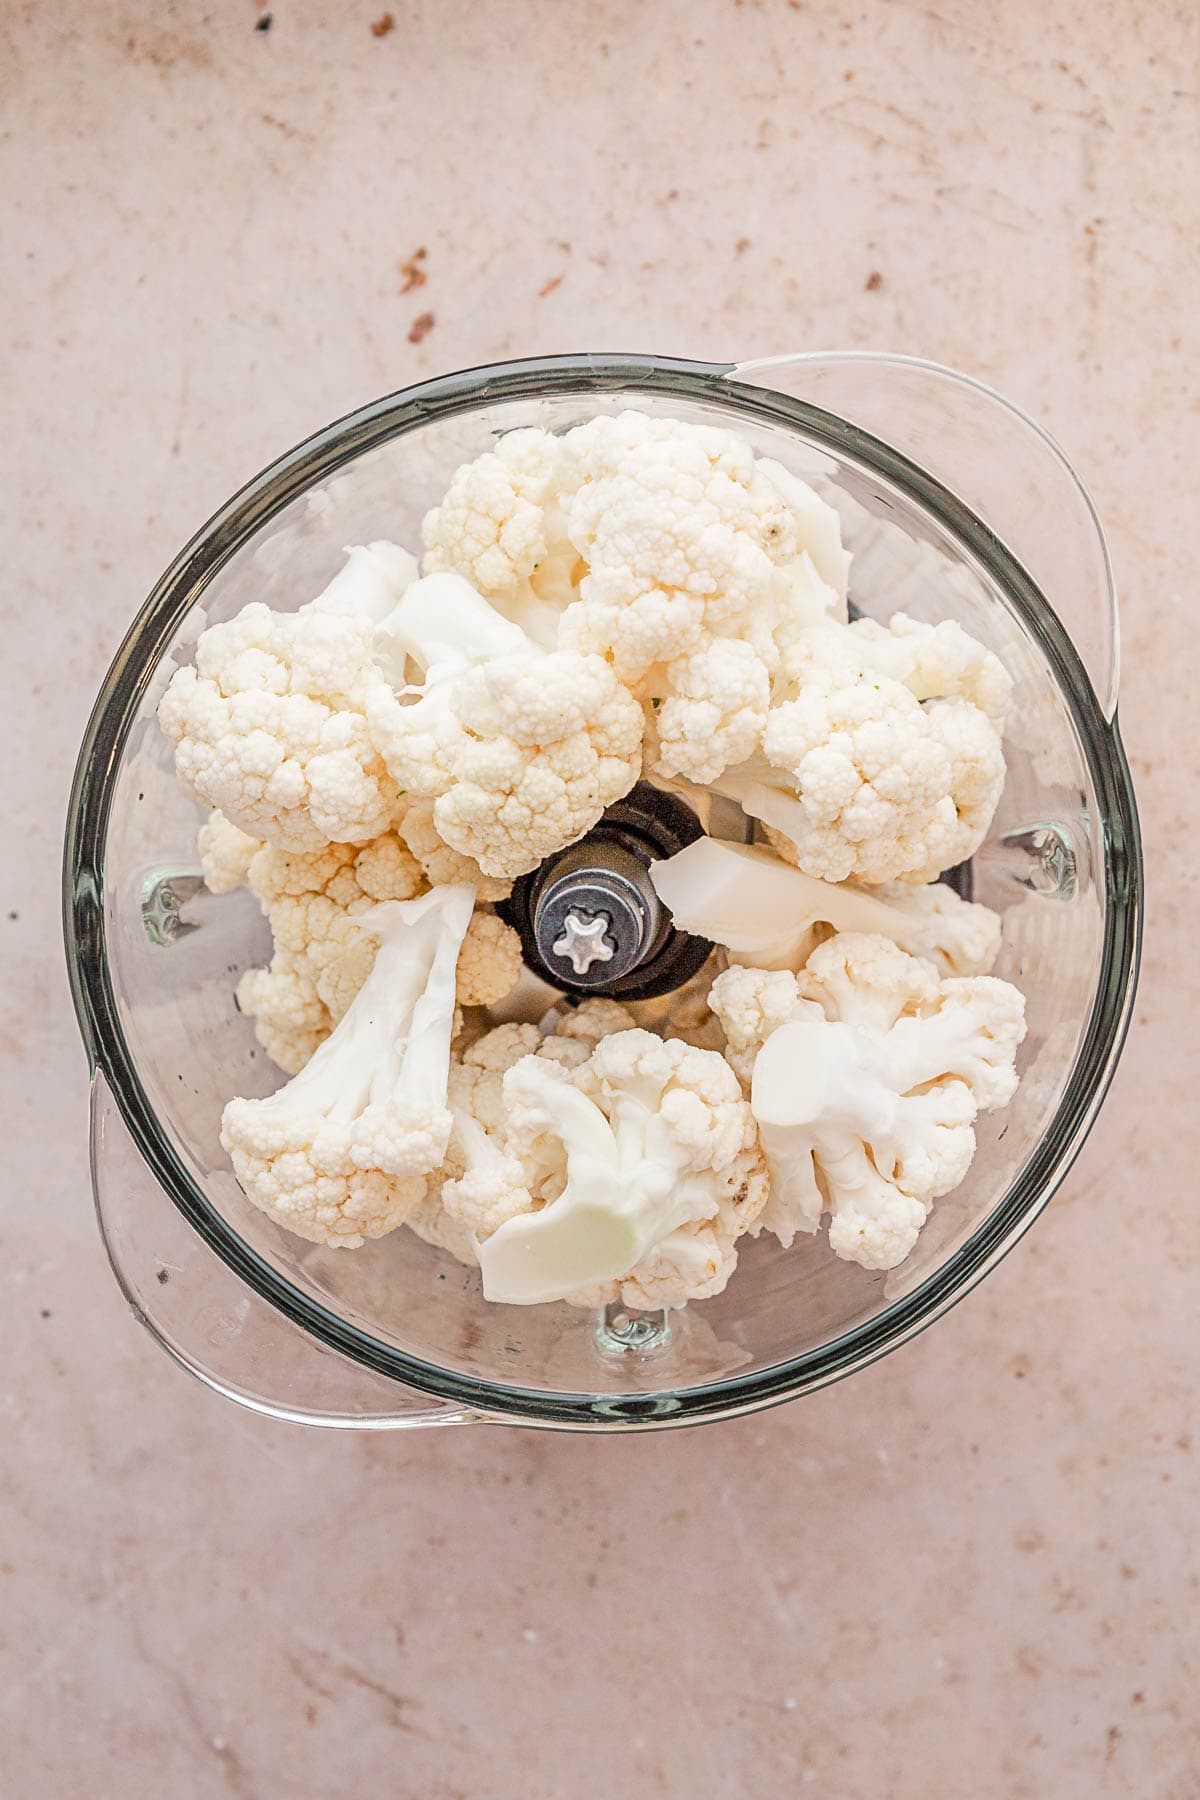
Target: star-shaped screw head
583 941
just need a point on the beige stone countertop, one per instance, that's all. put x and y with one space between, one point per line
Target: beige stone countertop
971 1572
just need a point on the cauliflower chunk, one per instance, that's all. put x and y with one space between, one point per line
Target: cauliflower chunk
268 726
520 748
866 1074
715 711
341 1152
862 782
666 549
698 570
489 962
314 902
679 1180
656 1172
685 537
226 853
442 866
499 526
881 756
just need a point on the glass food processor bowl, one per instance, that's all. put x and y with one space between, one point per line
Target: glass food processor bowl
953 504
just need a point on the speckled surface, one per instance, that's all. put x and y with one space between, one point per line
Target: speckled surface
973 1569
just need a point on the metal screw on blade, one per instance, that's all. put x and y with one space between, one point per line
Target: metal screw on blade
592 919
589 918
583 941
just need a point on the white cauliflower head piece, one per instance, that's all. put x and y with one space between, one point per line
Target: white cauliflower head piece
314 902
934 662
859 781
714 712
268 725
341 1152
521 749
657 1169
226 853
867 1072
685 537
664 548
882 756
320 956
499 525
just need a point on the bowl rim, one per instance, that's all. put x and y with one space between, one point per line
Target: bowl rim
314 460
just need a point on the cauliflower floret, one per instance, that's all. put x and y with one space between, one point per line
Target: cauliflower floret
872 784
520 748
680 1171
678 558
866 1075
655 1169
268 726
314 902
752 1003
444 867
857 776
291 1020
934 662
225 854
714 714
861 781
698 572
684 536
499 526
341 1152
592 1020
489 962
961 937
580 1028
479 1183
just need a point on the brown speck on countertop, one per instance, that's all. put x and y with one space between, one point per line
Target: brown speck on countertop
1112 1738
874 282
263 23
421 326
45 1312
741 247
290 131
412 268
163 1276
382 25
14 915
548 287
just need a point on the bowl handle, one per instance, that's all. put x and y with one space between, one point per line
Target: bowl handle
992 458
211 1323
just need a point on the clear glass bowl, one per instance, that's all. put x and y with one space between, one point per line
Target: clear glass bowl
953 504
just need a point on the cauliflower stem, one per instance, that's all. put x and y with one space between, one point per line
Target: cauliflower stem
336 1154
